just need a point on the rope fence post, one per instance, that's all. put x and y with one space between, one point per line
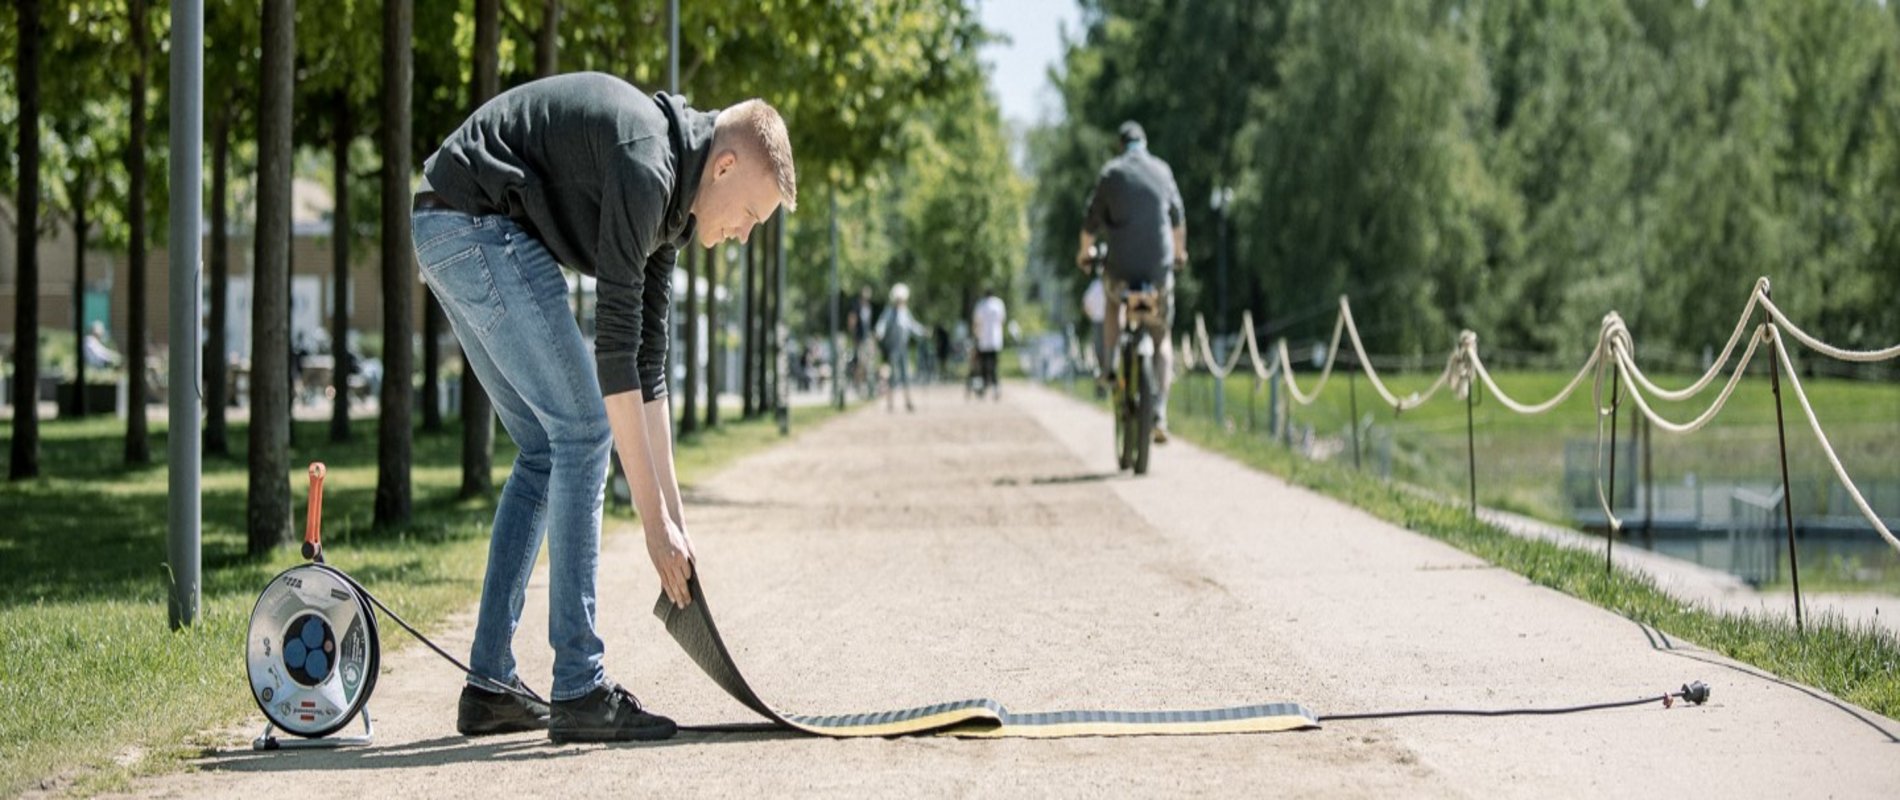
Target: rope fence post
1352 409
1286 417
1471 448
1220 401
1186 357
1787 492
1649 479
1273 401
1253 398
1609 527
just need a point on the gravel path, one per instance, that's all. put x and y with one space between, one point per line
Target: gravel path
978 549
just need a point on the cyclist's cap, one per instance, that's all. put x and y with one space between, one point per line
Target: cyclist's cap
1131 132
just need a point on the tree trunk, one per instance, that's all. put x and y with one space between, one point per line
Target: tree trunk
433 321
393 446
748 339
759 265
344 131
714 371
764 316
547 42
487 66
24 461
478 417
217 349
762 363
268 511
769 370
76 191
689 405
138 447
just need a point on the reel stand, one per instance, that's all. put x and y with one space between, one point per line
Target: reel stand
312 651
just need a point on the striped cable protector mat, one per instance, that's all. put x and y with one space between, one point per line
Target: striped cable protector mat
693 628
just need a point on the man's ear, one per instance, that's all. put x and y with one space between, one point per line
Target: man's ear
724 163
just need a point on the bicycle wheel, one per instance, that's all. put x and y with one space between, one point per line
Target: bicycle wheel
1144 427
1126 406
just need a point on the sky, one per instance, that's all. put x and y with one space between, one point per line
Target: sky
1019 69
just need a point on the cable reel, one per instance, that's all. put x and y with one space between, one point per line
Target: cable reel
312 651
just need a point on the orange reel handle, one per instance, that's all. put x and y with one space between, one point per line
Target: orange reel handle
313 524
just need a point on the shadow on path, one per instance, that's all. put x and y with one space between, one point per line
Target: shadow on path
1059 480
459 749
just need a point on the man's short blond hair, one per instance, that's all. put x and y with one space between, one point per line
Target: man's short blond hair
756 130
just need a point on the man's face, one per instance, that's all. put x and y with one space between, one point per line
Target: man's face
734 196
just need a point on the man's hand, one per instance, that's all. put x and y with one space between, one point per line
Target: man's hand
642 429
672 555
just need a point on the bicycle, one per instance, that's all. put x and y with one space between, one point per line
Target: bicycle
1134 392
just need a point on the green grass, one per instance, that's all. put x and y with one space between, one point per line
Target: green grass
89 669
1856 661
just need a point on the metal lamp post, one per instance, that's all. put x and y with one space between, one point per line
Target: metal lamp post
1222 199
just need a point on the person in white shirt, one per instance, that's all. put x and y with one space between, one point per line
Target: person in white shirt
986 324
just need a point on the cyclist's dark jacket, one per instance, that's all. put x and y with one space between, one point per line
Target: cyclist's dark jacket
1135 205
603 175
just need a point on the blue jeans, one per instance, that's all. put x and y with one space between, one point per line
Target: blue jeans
899 360
507 302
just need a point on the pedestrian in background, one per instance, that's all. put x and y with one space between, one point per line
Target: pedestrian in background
986 325
894 331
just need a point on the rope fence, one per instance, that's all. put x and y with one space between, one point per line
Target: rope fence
1611 365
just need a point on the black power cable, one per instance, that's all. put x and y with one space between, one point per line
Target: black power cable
518 689
1696 693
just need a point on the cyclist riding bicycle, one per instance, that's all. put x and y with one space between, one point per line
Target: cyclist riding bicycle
1137 208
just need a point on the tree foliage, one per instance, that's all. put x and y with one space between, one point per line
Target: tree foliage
885 100
1518 167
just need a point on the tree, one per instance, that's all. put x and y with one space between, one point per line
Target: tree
750 322
434 324
393 445
1187 72
1517 167
688 311
230 31
217 433
478 417
336 94
1838 60
547 39
25 456
138 447
89 122
901 55
440 66
961 207
715 367
268 509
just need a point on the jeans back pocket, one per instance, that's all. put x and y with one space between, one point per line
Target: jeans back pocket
466 287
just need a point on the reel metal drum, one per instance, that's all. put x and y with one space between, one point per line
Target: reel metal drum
312 650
